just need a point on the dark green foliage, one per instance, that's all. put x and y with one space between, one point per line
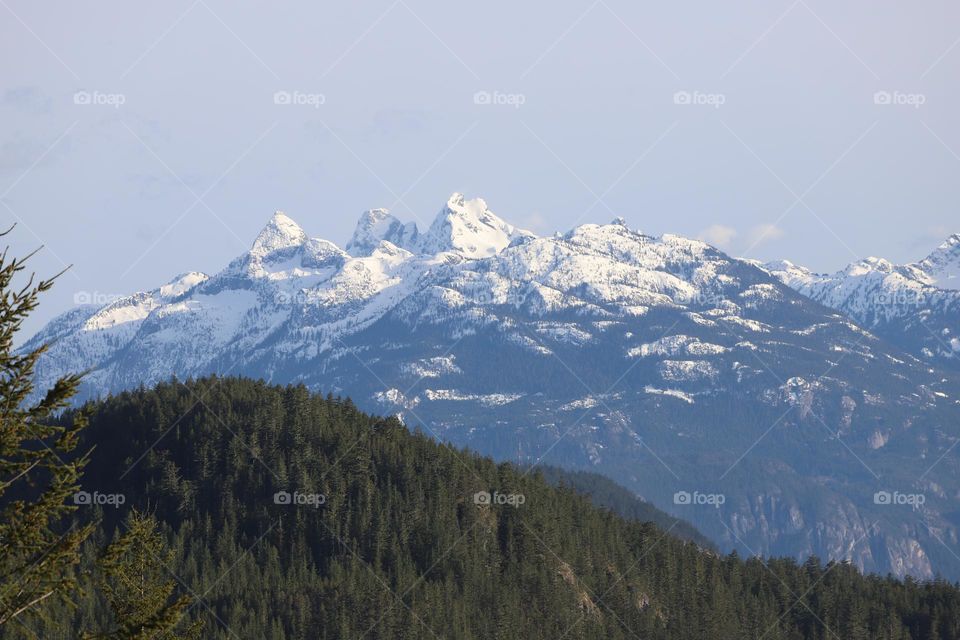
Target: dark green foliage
606 493
400 549
38 548
134 577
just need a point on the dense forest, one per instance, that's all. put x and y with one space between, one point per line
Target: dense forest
607 494
290 515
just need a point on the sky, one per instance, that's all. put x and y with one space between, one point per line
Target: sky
143 140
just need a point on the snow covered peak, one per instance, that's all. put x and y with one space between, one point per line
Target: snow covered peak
281 232
469 228
868 266
376 226
462 226
951 244
942 266
182 283
778 265
793 275
913 305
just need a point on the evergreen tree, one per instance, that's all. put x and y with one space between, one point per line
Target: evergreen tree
38 478
136 582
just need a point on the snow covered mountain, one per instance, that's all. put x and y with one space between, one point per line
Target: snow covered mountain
943 265
915 306
466 227
659 361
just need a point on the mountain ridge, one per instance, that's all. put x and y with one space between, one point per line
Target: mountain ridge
915 305
661 362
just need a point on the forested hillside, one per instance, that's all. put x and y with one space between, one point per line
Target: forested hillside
605 493
292 515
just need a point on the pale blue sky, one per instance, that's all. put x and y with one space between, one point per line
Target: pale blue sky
189 167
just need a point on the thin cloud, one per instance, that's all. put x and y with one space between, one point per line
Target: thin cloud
763 233
733 241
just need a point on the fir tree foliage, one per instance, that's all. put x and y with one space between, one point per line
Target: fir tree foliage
38 477
135 579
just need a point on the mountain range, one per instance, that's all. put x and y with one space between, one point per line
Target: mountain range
915 306
782 412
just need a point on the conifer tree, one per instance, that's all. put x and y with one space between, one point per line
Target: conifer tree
138 586
38 478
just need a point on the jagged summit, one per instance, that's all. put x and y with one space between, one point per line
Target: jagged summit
943 264
951 243
869 265
281 232
378 225
463 226
469 228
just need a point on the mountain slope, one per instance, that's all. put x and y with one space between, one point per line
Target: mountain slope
659 361
294 516
606 494
942 266
914 306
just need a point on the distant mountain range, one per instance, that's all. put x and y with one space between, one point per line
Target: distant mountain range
914 306
776 418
